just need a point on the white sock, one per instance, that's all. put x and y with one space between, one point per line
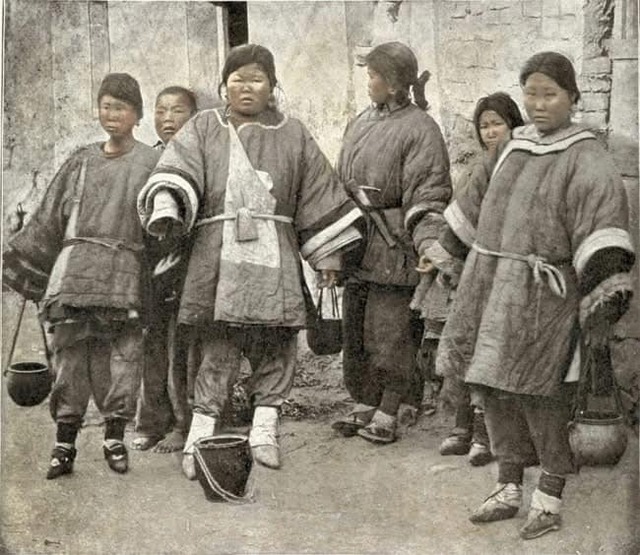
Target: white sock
264 428
202 425
545 502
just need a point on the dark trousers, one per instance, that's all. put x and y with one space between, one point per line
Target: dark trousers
516 423
164 397
382 337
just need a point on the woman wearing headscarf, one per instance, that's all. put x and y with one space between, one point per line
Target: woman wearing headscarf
494 117
255 191
549 262
395 165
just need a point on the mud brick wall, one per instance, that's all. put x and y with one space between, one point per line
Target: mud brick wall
483 45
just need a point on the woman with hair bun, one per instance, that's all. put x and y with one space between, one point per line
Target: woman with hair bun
547 270
395 166
253 189
494 117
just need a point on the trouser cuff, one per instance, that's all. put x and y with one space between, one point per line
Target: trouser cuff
510 472
67 432
390 402
114 428
551 484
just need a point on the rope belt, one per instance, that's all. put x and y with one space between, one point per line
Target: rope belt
115 244
541 269
223 217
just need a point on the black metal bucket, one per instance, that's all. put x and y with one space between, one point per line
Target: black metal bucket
223 464
28 383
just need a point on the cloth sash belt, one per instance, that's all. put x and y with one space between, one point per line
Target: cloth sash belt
241 213
104 242
541 269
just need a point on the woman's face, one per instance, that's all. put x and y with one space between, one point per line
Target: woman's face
548 105
248 90
117 117
380 92
493 129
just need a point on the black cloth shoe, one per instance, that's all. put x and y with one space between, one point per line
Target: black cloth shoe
61 462
117 457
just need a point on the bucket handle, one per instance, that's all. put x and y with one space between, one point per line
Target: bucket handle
215 486
14 339
586 376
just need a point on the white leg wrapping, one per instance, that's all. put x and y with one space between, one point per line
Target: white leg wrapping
264 429
201 426
509 493
545 502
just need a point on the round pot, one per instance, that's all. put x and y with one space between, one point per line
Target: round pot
28 383
598 438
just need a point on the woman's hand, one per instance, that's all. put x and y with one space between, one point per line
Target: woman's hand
328 278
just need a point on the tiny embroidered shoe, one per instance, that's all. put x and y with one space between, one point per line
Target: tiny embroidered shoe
539 522
117 456
381 429
61 462
349 425
455 445
503 503
480 454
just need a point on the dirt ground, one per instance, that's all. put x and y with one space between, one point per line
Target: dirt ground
332 495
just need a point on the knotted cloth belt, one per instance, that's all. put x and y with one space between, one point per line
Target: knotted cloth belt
115 244
244 212
541 269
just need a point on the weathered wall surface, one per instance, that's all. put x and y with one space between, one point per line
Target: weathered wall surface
56 54
309 44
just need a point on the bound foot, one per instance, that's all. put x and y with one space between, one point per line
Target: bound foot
539 523
455 445
480 454
116 455
173 441
503 503
61 462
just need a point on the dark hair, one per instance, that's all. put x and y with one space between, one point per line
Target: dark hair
123 87
398 65
503 105
553 65
188 94
249 54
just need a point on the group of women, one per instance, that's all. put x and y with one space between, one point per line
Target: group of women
531 254
535 246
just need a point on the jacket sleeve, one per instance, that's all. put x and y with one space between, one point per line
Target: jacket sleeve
597 220
426 184
32 252
324 216
180 172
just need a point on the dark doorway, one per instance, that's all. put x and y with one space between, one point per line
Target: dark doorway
237 25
